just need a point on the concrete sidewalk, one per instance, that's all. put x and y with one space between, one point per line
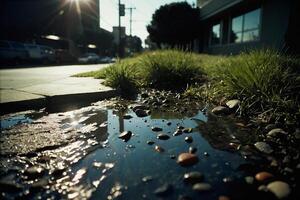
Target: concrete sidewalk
51 87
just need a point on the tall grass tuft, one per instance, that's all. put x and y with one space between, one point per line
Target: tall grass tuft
262 79
170 69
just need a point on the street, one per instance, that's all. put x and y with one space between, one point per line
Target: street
38 82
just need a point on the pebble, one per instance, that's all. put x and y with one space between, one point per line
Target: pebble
232 104
222 197
206 154
249 179
188 139
177 132
187 130
202 187
164 190
169 123
172 156
159 149
141 113
134 107
163 136
150 142
127 117
276 132
147 179
263 147
262 176
280 189
180 127
193 177
156 129
126 135
187 159
192 150
34 172
220 110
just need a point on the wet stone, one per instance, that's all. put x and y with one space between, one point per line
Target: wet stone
134 107
187 130
183 197
172 156
187 159
103 125
156 129
188 139
159 149
164 190
126 135
147 179
280 189
262 176
180 127
249 179
150 142
169 123
163 136
202 187
220 110
141 113
206 154
263 147
177 132
34 172
192 150
127 117
223 197
193 177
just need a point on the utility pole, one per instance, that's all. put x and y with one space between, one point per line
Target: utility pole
130 9
119 29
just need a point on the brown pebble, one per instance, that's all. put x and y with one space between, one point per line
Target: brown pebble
187 159
262 176
159 149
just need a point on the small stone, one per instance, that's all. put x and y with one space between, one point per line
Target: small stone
220 110
233 104
103 125
277 132
180 127
147 179
169 123
144 95
188 139
172 156
262 188
150 142
187 159
126 135
193 177
127 117
141 113
134 107
177 132
222 197
163 136
164 190
156 129
280 189
206 154
227 179
262 176
249 179
187 130
192 150
159 149
263 147
202 187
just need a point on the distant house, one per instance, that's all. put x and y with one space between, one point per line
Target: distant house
230 26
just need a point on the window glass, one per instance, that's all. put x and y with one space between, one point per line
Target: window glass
250 36
237 24
216 34
245 28
252 20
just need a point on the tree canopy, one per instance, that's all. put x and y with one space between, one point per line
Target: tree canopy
174 24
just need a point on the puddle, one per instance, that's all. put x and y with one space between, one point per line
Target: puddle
99 165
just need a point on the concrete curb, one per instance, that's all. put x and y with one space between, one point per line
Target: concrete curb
57 103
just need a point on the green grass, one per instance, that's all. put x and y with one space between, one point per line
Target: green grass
264 80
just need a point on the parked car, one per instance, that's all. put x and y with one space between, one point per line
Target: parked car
13 52
106 60
63 56
40 53
89 58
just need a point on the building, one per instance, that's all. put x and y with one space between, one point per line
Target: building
232 26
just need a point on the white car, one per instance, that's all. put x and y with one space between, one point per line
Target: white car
40 52
89 58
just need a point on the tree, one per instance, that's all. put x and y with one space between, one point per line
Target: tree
175 25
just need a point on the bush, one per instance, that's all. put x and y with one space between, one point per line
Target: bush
171 69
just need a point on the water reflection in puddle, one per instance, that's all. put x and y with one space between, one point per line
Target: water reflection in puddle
99 165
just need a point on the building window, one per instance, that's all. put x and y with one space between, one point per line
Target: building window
245 28
215 38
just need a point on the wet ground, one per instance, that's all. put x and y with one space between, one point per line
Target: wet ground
81 155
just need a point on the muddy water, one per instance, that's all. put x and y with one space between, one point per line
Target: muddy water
96 164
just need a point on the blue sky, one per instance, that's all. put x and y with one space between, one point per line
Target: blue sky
141 16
